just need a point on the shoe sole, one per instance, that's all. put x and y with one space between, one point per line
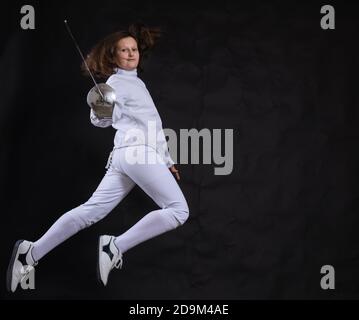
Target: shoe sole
11 265
100 246
98 261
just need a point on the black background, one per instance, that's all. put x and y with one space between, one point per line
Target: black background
268 71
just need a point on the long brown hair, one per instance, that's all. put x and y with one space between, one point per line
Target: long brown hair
101 59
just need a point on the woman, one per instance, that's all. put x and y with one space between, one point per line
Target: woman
134 116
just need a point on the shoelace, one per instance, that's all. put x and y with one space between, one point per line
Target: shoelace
118 263
25 271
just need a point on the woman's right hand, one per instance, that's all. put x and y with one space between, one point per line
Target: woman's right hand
175 171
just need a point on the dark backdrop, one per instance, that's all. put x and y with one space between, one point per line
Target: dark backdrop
268 71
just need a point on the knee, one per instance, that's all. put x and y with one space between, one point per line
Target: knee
73 220
93 212
182 213
86 214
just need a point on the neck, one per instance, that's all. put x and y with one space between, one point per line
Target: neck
132 72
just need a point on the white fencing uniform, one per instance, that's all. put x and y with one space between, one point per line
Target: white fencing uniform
134 115
134 110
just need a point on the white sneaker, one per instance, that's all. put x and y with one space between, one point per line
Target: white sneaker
109 257
21 263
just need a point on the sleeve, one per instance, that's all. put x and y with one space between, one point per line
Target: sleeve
121 90
102 123
163 149
120 102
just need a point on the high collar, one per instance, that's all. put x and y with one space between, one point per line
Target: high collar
132 73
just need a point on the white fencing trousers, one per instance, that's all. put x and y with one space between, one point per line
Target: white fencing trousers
122 175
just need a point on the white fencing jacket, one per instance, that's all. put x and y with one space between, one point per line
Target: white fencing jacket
135 116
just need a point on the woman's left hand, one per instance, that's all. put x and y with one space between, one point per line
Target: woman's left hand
174 170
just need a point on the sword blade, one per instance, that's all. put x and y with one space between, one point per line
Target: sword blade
83 59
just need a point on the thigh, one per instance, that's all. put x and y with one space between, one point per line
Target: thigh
153 177
113 187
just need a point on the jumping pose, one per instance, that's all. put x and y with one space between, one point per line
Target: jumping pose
116 58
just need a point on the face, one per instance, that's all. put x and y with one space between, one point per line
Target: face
127 55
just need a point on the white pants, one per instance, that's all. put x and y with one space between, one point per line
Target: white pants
153 178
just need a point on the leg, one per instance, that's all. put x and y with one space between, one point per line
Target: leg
158 182
112 189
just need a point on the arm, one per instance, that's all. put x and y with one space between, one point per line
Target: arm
163 149
102 123
120 101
